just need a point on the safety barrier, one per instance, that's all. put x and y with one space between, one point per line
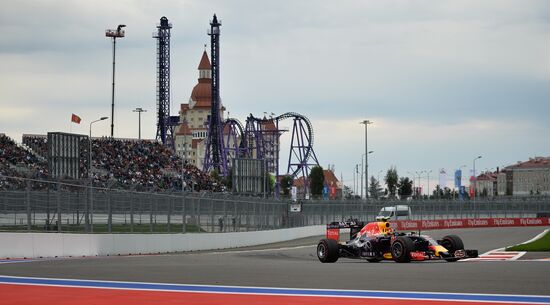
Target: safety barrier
468 223
37 245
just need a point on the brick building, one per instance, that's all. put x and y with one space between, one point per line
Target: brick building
191 134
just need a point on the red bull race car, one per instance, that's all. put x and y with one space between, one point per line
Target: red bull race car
377 241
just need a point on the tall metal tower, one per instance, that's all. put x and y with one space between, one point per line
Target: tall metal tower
165 123
215 159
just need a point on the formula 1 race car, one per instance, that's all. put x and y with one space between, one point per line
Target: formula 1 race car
377 241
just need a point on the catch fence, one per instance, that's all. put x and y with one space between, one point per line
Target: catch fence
63 207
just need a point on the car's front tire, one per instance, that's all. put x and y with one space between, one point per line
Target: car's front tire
452 243
401 249
327 251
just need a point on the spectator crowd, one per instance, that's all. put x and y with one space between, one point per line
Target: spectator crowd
15 161
140 165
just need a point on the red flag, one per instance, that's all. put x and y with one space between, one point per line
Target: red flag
75 119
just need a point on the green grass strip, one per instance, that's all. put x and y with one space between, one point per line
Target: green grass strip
541 244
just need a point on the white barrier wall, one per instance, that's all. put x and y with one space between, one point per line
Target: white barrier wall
34 245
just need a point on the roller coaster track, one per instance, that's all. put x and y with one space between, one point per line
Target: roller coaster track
234 122
301 154
310 135
233 130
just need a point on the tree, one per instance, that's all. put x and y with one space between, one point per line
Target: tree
228 180
316 181
447 194
405 187
270 183
374 188
438 192
485 193
215 175
286 184
391 181
347 192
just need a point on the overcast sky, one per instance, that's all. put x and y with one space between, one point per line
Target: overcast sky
443 81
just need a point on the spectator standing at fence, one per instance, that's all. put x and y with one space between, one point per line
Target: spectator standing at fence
220 223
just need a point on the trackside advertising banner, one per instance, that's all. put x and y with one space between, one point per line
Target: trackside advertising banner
405 225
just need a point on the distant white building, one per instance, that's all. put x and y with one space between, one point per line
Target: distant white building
530 177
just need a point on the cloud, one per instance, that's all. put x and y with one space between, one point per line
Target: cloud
443 80
413 145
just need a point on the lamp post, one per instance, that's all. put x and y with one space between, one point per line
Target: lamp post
356 179
460 181
475 182
90 218
414 178
419 174
139 110
460 169
118 33
428 172
366 122
354 184
366 178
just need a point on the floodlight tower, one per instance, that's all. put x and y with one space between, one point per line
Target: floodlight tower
118 33
164 130
214 158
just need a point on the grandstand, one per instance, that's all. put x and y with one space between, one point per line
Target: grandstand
142 165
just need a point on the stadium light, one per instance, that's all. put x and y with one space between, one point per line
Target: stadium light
366 122
118 33
139 110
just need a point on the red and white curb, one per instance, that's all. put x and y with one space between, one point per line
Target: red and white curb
498 255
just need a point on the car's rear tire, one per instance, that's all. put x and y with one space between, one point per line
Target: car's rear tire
452 243
327 251
401 249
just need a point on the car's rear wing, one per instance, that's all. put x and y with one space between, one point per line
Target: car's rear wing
354 226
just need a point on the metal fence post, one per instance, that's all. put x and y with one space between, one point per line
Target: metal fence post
225 216
110 213
183 216
58 199
196 214
234 220
28 201
212 224
199 214
132 214
151 207
92 209
169 213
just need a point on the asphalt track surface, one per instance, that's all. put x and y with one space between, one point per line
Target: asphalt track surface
294 265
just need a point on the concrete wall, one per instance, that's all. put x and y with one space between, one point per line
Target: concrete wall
34 245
